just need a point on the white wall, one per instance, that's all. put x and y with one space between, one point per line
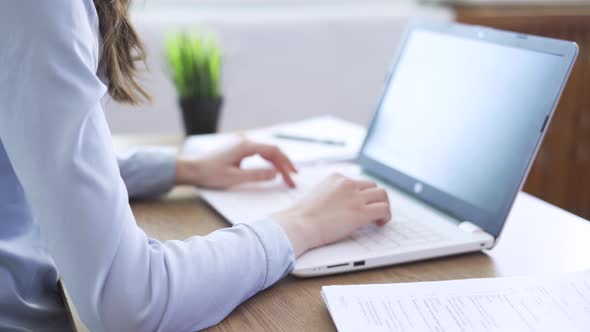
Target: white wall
281 63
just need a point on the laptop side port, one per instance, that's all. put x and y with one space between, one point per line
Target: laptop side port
359 263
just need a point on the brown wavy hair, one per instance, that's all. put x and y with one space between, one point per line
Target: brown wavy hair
121 51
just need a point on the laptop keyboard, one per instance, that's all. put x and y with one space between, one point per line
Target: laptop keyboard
400 232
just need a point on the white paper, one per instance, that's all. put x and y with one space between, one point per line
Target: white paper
322 128
557 303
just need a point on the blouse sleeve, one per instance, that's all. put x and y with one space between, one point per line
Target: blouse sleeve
147 172
58 143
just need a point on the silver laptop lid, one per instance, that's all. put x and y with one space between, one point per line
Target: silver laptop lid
463 114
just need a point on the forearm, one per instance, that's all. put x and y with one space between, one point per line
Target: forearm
192 284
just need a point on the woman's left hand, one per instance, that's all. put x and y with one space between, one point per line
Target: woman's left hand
222 170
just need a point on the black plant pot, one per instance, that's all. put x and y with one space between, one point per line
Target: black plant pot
200 116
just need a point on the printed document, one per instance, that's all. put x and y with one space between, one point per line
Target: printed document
550 303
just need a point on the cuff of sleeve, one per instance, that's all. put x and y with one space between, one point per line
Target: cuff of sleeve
280 257
167 167
149 172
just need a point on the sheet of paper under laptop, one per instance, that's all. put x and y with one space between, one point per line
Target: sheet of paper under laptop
548 303
315 140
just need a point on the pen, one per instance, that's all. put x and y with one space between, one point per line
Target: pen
309 139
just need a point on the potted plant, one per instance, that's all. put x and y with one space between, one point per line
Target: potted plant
195 64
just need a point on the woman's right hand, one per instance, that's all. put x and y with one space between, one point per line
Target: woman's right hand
333 210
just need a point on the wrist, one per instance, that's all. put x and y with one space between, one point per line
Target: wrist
294 226
186 172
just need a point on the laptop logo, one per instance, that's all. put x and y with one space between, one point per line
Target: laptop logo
418 188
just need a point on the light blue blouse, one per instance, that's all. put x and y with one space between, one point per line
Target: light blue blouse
64 199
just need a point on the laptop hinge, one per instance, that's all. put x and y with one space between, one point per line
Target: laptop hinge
470 227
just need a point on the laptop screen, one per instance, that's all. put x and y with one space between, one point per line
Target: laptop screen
463 116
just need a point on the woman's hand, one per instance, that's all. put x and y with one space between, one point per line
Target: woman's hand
333 210
222 170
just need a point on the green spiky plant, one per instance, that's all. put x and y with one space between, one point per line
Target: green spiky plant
195 67
195 63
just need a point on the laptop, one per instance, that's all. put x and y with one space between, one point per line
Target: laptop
462 114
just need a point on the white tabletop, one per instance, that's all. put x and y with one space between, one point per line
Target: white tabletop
539 238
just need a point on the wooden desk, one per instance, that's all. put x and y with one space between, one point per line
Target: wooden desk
538 238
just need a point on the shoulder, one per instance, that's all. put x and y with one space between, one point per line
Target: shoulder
44 17
50 26
52 13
